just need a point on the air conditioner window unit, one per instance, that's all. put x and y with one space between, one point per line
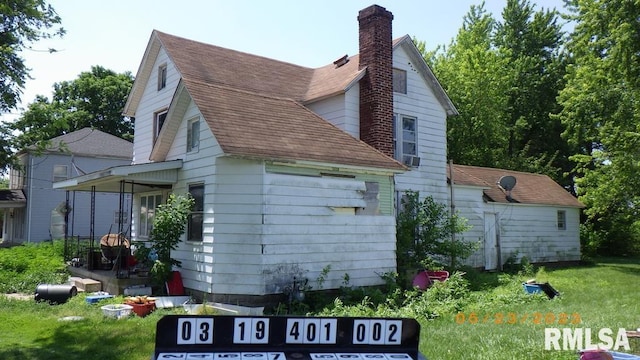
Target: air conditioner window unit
411 160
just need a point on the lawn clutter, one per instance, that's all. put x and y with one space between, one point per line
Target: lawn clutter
600 354
141 305
532 287
97 297
424 279
117 311
55 294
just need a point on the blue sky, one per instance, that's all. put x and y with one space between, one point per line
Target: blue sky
114 33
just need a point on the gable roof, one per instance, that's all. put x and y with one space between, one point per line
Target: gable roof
529 189
91 142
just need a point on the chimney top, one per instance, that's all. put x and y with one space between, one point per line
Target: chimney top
374 10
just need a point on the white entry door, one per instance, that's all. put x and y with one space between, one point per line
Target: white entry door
491 247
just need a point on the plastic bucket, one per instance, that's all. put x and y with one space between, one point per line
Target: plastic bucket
55 294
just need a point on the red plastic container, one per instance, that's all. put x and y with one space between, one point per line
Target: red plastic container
142 310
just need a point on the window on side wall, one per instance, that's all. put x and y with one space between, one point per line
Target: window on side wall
193 134
399 81
194 226
60 173
405 138
148 205
162 76
562 220
158 122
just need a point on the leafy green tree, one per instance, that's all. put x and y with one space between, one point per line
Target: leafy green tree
95 99
601 113
169 223
531 43
473 74
22 22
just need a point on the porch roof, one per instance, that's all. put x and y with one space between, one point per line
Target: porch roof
11 198
137 178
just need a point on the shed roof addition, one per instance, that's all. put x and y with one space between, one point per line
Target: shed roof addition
529 189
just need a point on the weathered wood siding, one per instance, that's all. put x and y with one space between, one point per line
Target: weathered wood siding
303 231
342 110
523 229
430 177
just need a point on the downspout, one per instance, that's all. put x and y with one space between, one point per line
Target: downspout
29 205
452 202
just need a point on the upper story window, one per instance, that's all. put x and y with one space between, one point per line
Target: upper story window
60 173
158 122
162 76
399 81
195 223
193 134
405 138
562 220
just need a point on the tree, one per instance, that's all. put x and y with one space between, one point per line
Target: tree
22 22
531 43
472 72
425 234
95 99
601 113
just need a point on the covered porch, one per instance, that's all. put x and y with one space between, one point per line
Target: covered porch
89 254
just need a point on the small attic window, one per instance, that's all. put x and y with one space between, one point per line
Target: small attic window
399 81
343 60
162 76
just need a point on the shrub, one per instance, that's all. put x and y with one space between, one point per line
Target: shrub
426 232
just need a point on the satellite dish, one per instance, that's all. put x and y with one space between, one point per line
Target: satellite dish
507 182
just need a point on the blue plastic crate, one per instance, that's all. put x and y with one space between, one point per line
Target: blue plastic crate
92 299
532 288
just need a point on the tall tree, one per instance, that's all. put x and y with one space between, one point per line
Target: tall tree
531 43
95 99
473 74
601 113
22 22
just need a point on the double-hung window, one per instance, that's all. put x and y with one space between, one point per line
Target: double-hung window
148 205
195 223
406 139
562 220
193 134
158 122
60 173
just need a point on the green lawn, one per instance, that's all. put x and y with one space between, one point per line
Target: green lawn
606 295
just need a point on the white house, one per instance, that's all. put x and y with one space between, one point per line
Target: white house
39 214
293 169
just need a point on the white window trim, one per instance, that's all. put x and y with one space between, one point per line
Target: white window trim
162 76
193 145
156 122
561 220
411 160
57 177
146 234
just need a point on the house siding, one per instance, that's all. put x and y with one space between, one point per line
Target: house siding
299 223
430 178
153 100
524 230
42 199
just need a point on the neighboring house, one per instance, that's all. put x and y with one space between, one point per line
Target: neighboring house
293 169
37 211
516 214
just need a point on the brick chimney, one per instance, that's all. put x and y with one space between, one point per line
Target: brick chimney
376 87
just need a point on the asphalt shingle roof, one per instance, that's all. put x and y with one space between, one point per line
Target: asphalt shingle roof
92 142
529 189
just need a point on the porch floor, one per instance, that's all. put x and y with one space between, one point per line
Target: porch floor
109 279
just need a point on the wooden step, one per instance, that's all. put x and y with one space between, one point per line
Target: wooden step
88 285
